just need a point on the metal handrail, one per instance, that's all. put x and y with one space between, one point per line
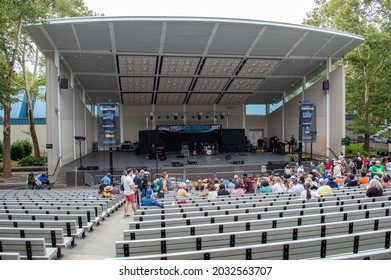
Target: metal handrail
333 152
55 169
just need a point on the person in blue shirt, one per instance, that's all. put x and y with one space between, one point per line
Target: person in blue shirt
148 200
106 180
331 182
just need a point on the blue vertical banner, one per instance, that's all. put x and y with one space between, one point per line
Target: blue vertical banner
109 131
307 123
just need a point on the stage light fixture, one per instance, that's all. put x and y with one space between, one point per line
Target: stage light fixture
199 115
222 115
175 116
151 116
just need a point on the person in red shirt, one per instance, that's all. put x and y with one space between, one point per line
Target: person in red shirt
328 167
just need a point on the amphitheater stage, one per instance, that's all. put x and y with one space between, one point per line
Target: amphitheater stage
98 163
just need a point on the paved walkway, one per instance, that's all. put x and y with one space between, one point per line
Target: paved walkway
99 244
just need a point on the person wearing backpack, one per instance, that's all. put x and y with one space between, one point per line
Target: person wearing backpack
160 185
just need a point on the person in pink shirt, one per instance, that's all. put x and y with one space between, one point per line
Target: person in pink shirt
238 190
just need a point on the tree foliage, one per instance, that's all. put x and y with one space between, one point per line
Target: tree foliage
368 67
17 51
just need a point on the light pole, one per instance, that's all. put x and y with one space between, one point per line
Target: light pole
80 139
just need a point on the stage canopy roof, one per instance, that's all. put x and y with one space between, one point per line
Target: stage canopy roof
175 60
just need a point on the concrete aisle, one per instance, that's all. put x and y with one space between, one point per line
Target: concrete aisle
99 244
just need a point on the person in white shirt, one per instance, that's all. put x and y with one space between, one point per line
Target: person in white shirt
278 186
308 193
129 193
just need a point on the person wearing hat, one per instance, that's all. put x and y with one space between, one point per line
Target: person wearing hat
183 191
107 192
148 200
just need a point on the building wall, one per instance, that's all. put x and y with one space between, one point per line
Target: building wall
316 95
22 131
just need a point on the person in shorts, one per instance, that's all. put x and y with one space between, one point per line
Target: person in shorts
129 193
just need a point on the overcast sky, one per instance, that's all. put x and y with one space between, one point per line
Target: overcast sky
289 11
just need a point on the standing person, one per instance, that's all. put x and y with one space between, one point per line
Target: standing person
388 166
359 165
106 180
248 184
292 145
124 173
129 193
160 185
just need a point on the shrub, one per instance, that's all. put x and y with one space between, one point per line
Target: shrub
31 161
1 167
1 148
21 149
353 149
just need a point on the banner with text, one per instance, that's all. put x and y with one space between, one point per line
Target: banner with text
189 128
307 123
109 132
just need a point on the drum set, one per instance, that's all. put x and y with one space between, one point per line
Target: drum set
209 149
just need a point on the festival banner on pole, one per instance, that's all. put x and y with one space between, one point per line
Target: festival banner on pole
109 133
307 123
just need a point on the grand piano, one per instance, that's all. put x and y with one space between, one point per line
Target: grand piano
158 150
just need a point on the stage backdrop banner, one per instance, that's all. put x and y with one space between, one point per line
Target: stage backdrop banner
307 123
189 128
109 134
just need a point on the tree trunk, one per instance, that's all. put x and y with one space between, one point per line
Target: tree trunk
7 172
366 142
33 132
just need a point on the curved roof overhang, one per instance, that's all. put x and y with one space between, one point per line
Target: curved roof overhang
178 60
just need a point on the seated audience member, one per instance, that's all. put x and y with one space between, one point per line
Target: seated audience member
278 186
44 179
238 190
339 180
307 193
189 185
107 192
386 183
183 191
297 187
31 185
222 191
351 182
231 185
364 180
210 191
309 180
331 182
148 200
42 183
323 189
374 188
265 187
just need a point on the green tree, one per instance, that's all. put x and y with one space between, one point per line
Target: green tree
16 51
368 67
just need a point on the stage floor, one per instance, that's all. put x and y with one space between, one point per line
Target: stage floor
122 160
